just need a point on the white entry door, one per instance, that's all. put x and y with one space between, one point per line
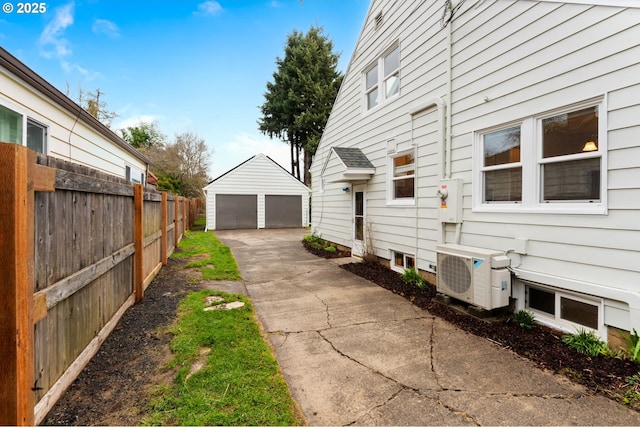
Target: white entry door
359 221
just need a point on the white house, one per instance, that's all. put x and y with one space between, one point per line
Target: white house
36 114
501 134
258 193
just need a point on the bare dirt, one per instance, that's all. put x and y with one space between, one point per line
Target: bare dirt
114 388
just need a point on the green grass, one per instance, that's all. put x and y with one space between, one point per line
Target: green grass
212 257
240 383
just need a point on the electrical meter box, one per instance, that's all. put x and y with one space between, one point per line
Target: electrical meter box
450 200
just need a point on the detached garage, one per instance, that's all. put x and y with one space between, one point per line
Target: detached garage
258 193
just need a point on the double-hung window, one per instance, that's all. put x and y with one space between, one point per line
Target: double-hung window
18 129
502 165
548 163
402 178
570 161
382 79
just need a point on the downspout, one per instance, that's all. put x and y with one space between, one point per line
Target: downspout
440 105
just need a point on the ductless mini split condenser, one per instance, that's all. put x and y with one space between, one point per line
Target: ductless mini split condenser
474 275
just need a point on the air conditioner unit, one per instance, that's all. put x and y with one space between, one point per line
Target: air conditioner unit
474 275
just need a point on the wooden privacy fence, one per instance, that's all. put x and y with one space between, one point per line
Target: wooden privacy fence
77 248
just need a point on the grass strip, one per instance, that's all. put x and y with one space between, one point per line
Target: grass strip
239 384
212 257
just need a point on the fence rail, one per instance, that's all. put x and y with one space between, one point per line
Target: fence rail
78 248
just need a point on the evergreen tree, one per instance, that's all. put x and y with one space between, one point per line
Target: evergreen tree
299 100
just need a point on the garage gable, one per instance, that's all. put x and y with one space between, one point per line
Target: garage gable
282 201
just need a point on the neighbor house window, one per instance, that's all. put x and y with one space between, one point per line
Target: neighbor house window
402 178
36 136
10 126
401 261
134 175
382 79
18 129
552 162
563 308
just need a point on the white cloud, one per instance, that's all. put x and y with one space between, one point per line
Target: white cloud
132 121
53 33
87 75
106 27
210 7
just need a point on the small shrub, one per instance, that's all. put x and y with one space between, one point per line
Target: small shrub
633 346
315 241
632 394
523 318
587 343
331 249
412 277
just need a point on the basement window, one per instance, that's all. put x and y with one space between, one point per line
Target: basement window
565 308
401 261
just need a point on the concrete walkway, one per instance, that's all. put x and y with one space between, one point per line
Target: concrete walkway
356 354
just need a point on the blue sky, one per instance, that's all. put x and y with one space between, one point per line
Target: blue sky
199 66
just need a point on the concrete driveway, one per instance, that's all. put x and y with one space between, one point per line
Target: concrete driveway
356 354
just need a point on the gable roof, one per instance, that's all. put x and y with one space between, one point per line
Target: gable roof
355 165
258 157
32 79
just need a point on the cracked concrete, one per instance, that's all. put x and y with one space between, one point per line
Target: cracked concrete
356 354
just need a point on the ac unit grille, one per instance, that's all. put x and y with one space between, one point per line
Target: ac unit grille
455 273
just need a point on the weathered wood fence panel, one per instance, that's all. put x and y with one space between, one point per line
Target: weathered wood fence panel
78 243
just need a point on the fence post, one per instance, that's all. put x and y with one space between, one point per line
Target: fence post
185 216
163 226
138 241
175 220
16 292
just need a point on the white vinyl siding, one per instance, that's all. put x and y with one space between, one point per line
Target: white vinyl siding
512 63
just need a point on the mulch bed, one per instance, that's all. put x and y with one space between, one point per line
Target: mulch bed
326 254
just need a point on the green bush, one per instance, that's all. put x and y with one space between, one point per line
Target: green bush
523 318
633 346
331 249
412 277
587 343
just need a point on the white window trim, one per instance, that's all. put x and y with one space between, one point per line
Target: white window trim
392 260
408 201
380 85
558 322
26 117
531 159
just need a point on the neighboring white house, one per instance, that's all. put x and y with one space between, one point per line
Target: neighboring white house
258 193
501 133
36 114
